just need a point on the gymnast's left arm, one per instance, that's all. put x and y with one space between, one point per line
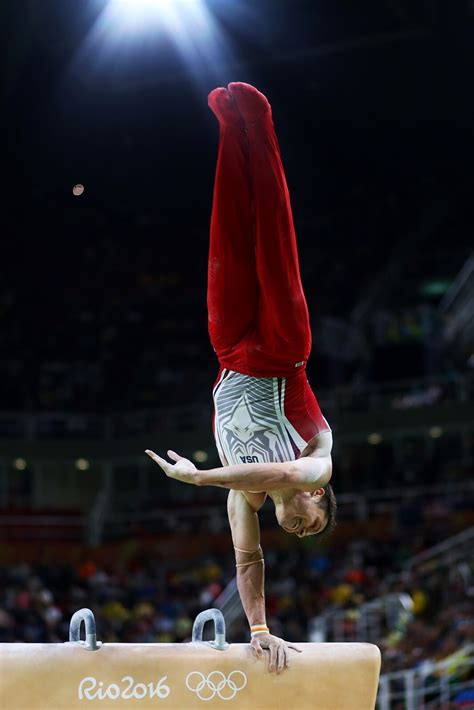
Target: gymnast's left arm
307 473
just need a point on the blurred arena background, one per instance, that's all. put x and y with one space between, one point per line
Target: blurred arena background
103 327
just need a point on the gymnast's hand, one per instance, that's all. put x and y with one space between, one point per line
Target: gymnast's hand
279 657
183 470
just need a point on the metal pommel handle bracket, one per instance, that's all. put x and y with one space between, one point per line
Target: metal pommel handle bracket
219 626
86 616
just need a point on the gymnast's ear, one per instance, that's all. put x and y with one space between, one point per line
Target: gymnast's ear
318 493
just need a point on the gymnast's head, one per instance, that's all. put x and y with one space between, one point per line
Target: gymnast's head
307 514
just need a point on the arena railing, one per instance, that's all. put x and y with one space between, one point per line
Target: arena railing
229 603
372 620
454 547
431 685
43 526
368 622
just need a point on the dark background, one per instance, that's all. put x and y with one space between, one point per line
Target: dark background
373 106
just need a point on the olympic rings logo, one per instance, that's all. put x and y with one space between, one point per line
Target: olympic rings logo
216 683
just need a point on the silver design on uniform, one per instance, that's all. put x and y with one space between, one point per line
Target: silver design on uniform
242 423
249 421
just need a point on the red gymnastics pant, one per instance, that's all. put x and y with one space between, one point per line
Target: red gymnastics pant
258 316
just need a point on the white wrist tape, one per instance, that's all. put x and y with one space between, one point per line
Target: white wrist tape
259 629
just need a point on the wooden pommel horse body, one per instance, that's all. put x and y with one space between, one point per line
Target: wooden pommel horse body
77 674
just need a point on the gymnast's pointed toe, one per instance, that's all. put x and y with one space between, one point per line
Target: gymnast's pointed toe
251 103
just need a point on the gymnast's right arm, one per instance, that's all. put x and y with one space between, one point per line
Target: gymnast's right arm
242 509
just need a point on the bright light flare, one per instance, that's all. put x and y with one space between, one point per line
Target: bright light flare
126 28
142 15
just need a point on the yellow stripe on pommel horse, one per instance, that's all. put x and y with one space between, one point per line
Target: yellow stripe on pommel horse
85 674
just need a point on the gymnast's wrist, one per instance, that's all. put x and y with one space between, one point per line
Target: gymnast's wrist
198 478
258 629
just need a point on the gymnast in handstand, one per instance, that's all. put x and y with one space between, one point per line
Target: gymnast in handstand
270 433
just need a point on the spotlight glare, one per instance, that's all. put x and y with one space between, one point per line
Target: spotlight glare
374 438
200 456
132 12
133 5
126 31
20 464
436 432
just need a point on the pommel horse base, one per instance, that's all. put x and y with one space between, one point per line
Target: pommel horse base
78 674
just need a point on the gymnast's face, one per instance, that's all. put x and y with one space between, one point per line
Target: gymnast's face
301 514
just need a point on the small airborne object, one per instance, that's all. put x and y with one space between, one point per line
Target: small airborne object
78 189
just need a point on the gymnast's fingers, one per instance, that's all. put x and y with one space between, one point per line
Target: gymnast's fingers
282 659
273 657
256 648
173 455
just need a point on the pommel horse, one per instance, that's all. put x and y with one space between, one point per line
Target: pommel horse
214 674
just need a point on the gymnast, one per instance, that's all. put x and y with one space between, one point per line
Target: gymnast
270 433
